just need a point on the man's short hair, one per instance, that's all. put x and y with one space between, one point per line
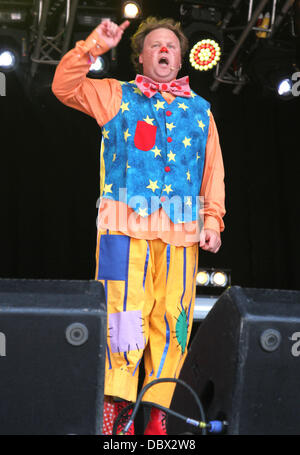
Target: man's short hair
147 26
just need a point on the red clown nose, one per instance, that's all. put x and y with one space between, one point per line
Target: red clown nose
164 49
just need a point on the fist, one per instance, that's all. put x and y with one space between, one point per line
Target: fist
210 240
110 32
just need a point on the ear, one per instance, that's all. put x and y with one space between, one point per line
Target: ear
141 59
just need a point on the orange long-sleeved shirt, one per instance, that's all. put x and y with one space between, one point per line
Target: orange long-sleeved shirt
101 99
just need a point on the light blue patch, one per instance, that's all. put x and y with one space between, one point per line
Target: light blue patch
126 331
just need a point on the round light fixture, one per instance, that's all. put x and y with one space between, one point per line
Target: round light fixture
202 278
99 67
205 55
284 87
8 60
131 10
219 279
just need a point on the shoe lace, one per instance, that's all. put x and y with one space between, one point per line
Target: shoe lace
124 413
164 421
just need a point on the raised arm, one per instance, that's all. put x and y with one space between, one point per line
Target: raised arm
99 98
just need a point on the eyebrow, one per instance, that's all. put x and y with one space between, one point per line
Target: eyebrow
159 42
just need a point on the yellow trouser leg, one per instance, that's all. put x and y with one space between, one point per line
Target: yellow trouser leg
123 264
171 318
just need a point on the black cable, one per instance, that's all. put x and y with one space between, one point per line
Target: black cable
167 410
147 403
120 415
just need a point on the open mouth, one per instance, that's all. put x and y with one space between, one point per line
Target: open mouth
164 61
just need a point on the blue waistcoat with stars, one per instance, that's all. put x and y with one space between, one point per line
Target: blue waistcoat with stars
153 153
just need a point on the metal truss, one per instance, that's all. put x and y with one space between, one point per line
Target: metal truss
237 78
51 31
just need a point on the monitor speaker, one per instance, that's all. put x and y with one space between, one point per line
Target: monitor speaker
244 365
52 356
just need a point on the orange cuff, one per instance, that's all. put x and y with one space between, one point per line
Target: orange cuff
95 45
211 223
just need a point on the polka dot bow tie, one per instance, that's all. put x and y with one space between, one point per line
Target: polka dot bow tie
178 87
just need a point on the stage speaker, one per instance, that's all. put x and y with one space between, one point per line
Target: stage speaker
52 354
244 365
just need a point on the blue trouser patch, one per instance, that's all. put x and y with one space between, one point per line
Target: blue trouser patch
113 257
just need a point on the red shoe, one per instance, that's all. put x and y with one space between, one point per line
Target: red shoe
157 422
120 405
110 414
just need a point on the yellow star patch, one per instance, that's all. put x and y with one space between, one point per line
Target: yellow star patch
168 188
201 124
208 112
188 201
170 126
124 107
187 141
193 95
182 106
152 185
159 105
107 188
114 157
137 90
171 156
149 120
143 212
105 134
126 134
123 82
156 151
198 157
127 165
188 176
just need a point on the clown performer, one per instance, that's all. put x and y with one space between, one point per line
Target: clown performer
162 196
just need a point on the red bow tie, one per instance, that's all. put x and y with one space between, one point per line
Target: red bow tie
178 87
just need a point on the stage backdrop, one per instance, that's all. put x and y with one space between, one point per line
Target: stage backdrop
50 182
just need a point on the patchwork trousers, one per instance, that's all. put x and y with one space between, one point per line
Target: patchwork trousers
150 291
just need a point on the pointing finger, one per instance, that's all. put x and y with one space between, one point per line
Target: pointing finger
124 25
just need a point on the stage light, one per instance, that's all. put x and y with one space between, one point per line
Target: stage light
205 54
284 87
13 17
219 278
206 41
281 83
131 10
99 67
8 60
272 66
202 278
213 278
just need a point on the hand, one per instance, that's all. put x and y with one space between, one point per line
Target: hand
111 33
210 240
